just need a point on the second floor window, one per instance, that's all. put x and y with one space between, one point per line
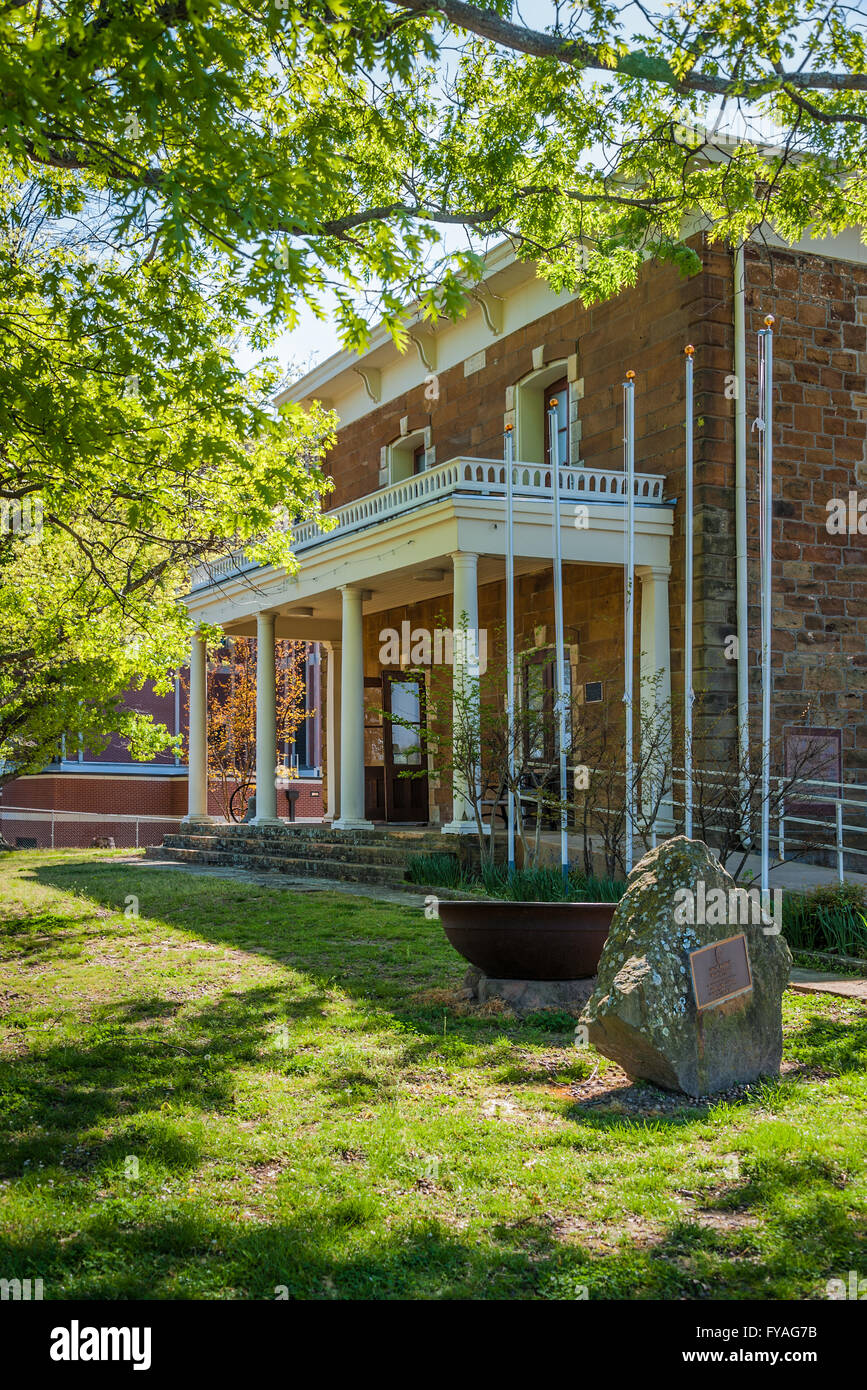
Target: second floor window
560 391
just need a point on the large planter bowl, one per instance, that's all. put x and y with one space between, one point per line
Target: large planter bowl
529 941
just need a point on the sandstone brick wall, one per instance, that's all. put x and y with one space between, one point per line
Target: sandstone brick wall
820 306
820 452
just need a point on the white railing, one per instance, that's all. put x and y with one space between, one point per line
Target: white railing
475 477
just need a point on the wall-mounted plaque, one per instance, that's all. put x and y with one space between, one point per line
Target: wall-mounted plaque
721 971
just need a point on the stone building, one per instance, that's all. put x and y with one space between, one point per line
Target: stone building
418 503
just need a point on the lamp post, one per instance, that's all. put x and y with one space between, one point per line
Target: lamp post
559 668
629 602
509 457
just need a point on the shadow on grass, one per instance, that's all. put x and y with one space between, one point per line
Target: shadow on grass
331 1250
401 955
317 1246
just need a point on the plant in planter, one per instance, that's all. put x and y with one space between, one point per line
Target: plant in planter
600 758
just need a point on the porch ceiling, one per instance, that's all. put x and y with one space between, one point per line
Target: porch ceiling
392 589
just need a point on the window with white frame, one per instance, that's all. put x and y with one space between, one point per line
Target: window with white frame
532 398
405 457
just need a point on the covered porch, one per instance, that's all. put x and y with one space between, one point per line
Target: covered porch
432 542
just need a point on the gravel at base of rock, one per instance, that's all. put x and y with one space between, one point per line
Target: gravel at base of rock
616 1093
528 996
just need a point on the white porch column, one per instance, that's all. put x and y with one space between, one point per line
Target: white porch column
266 722
332 739
655 676
352 715
197 780
465 668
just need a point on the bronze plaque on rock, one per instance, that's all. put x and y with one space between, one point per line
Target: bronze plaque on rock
721 971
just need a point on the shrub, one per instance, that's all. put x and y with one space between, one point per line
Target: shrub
832 917
439 870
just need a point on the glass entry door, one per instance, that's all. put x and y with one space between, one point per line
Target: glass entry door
374 750
406 798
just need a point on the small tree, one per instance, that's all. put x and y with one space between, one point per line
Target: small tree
232 717
600 769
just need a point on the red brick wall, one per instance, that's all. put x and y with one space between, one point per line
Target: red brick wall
165 797
100 796
161 709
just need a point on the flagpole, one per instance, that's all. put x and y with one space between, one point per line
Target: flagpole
688 695
629 602
766 356
508 454
560 674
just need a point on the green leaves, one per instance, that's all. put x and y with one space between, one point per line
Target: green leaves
168 187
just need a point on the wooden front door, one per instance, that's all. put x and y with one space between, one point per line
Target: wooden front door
403 700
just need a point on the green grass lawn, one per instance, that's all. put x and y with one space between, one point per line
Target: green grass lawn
242 1090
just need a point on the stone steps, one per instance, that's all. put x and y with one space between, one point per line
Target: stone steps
325 851
344 870
356 856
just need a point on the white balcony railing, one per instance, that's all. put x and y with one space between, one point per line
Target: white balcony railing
463 476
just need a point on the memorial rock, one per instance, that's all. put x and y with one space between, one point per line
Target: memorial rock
690 982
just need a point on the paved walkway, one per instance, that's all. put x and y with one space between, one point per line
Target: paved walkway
824 982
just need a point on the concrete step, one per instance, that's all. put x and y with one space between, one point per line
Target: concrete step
345 869
421 838
330 852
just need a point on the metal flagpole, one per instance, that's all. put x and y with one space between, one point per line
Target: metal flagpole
509 456
559 668
766 389
629 605
688 695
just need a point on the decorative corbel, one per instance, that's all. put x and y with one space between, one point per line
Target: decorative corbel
372 378
491 306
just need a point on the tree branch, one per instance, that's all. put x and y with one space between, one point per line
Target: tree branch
580 54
